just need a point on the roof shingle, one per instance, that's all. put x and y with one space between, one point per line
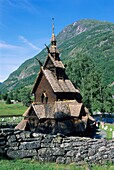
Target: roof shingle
59 85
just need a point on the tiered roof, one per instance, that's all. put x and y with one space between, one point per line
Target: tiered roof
70 108
57 84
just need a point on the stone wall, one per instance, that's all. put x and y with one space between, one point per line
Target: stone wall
56 148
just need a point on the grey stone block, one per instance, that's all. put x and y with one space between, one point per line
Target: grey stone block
30 145
91 152
12 144
58 151
46 159
45 152
2 142
21 153
11 138
72 153
61 160
2 149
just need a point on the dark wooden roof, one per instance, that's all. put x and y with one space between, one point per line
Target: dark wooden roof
41 110
69 107
22 125
56 63
58 85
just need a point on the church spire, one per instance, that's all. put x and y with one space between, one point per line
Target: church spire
53 48
52 25
53 39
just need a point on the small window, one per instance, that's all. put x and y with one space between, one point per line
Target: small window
44 97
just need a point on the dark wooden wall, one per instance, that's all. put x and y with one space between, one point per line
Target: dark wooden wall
44 86
65 96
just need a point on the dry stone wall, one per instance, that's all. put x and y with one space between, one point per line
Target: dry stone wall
54 148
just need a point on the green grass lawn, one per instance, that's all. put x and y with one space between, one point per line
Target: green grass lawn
109 130
11 109
34 165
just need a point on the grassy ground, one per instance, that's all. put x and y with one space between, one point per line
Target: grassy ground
34 165
109 130
11 109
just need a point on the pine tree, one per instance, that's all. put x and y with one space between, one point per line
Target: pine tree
86 76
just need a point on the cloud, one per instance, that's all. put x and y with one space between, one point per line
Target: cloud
10 60
4 45
12 56
22 4
29 43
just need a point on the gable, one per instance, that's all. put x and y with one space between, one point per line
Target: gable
75 110
38 79
56 85
51 60
42 87
39 110
70 107
35 110
59 85
49 64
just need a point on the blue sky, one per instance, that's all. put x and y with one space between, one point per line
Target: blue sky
25 25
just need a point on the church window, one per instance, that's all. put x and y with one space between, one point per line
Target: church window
44 97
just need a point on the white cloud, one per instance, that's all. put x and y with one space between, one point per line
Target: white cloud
4 45
29 43
12 56
22 4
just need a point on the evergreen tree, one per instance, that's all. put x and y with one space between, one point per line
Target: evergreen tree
24 96
4 96
8 100
85 76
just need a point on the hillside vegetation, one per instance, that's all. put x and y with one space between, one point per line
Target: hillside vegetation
90 37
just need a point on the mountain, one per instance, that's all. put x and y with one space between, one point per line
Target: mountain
91 37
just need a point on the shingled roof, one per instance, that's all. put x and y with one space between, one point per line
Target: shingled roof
70 107
22 125
56 63
58 85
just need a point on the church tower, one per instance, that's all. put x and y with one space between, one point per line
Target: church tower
52 79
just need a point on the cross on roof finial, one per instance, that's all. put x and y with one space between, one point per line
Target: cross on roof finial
52 25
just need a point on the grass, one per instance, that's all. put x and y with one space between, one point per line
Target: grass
109 130
11 109
35 165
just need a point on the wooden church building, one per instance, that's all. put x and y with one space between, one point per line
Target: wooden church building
57 106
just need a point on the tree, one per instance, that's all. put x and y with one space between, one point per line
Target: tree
24 96
86 76
4 96
8 100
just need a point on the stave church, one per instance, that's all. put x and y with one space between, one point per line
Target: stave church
57 106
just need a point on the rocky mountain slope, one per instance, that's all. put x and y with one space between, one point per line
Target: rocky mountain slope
91 37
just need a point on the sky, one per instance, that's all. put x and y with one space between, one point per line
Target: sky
26 25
